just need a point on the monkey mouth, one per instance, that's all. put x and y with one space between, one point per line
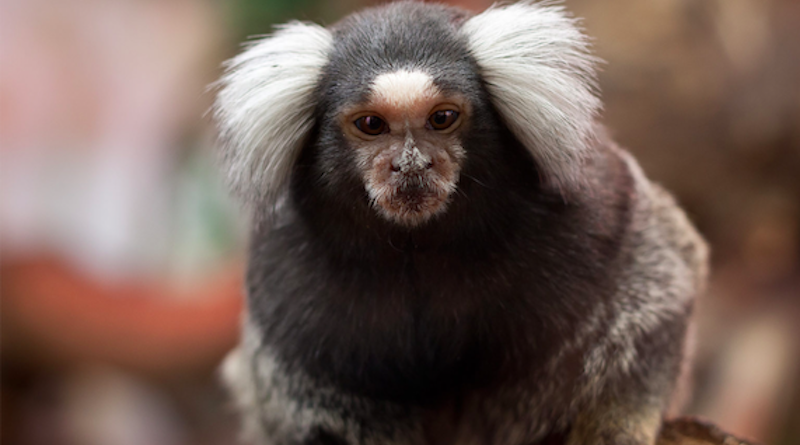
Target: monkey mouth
411 203
411 196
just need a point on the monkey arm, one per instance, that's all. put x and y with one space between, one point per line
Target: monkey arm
617 425
631 401
639 360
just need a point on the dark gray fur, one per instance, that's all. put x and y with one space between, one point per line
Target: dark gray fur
520 313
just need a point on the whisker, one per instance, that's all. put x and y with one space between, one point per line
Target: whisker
477 181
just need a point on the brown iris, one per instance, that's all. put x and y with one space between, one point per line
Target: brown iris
442 119
371 125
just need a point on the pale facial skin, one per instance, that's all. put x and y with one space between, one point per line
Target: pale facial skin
408 147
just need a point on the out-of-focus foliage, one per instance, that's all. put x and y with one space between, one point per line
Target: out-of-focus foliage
707 95
249 18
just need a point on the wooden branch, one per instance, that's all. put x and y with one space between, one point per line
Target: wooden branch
689 431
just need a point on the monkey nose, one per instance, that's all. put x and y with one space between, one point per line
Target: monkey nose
411 160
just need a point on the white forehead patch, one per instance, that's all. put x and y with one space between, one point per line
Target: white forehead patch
403 88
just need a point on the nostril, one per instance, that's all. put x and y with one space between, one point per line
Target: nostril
411 161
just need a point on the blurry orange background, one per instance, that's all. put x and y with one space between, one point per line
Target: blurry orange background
122 254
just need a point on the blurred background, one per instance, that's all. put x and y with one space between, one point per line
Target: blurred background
122 253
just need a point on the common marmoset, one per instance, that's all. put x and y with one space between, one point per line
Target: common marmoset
447 248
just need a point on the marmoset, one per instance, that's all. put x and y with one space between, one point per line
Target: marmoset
446 247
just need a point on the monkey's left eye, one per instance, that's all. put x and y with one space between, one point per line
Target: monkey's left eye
371 125
442 119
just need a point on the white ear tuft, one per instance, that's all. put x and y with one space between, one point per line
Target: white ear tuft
537 68
265 108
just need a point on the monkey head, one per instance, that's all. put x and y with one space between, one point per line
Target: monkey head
394 104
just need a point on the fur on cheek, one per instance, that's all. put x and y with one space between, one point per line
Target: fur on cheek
411 200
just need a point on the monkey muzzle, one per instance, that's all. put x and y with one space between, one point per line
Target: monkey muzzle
412 186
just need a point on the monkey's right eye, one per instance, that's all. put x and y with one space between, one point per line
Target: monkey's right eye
371 125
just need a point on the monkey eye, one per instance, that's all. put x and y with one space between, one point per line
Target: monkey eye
371 125
442 119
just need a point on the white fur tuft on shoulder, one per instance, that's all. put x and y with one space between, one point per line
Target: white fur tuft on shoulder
265 107
538 69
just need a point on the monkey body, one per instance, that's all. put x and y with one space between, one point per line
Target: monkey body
432 270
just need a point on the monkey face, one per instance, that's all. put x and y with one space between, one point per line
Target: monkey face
406 141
